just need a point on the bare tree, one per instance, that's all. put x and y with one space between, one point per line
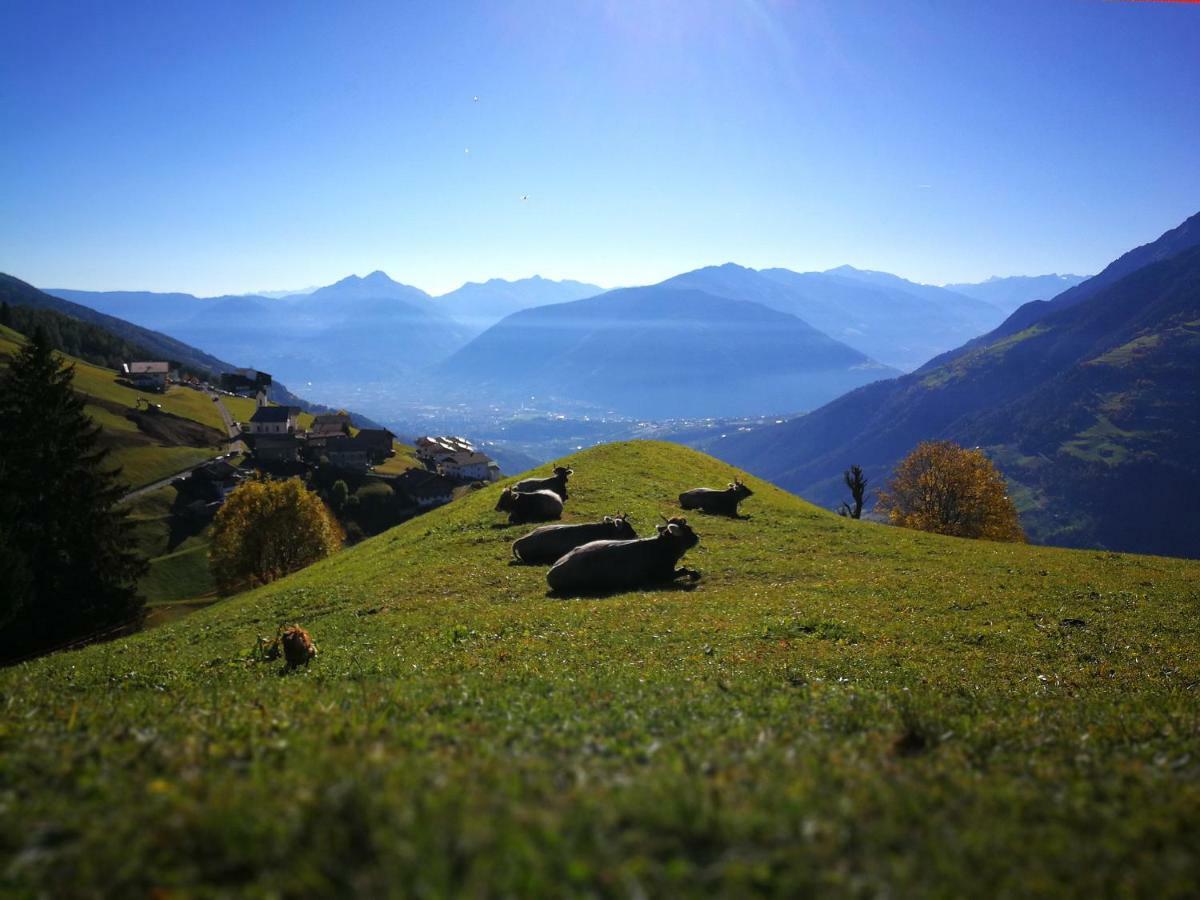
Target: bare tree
856 481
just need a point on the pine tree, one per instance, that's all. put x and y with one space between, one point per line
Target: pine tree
67 546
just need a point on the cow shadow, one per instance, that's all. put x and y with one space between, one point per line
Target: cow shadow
663 587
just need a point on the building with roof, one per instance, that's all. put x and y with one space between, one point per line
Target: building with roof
425 489
465 465
330 424
379 442
273 420
147 376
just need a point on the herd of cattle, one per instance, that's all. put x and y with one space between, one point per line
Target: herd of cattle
608 555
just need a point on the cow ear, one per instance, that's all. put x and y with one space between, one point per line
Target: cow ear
608 520
570 471
731 484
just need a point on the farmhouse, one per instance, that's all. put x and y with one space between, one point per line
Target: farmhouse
276 447
330 424
345 452
378 442
457 458
147 376
466 465
245 382
425 489
274 420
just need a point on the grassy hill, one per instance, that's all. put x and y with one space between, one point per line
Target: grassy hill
837 706
146 446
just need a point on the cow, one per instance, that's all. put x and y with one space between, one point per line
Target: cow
556 482
535 506
721 503
550 542
623 565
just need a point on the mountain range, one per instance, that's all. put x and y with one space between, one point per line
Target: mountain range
1009 293
1087 402
658 352
376 331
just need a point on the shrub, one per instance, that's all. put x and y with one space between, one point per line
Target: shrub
268 529
944 488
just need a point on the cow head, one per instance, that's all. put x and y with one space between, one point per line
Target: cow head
740 490
507 500
562 472
678 531
620 527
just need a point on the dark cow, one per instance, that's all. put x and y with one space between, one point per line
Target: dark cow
623 565
721 503
546 544
556 482
535 506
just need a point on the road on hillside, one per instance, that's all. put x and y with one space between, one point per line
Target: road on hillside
235 446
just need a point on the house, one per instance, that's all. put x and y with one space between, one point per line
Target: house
330 423
215 481
465 465
425 489
378 442
345 452
147 376
273 448
429 448
274 420
245 382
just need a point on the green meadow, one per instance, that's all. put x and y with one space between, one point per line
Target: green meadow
836 707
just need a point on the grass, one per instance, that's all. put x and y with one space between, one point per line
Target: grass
837 707
176 548
405 459
1103 442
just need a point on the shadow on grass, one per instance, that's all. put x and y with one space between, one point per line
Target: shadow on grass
656 587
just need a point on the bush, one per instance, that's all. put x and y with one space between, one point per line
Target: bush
268 529
944 488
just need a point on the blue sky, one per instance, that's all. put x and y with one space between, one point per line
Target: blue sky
216 147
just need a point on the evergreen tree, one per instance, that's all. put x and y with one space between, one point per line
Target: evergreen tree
67 550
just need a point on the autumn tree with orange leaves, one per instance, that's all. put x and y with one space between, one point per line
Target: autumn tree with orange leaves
944 488
268 529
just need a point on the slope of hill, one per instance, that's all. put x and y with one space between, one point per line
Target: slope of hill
479 306
1091 412
899 323
148 445
1009 293
659 352
19 293
835 708
1183 237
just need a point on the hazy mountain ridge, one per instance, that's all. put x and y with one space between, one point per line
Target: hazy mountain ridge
1090 411
659 352
1009 292
479 305
899 323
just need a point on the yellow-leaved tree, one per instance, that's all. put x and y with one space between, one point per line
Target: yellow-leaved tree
947 489
266 529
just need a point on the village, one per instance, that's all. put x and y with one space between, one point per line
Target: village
369 479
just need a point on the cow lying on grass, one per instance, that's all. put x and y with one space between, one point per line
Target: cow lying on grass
550 542
603 566
535 506
721 503
556 482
